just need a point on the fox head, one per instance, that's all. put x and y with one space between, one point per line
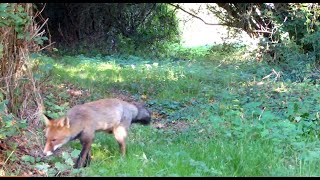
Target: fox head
144 115
57 134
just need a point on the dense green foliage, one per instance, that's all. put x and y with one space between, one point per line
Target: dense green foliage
296 38
288 31
109 28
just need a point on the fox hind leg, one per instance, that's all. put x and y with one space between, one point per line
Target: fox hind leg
120 133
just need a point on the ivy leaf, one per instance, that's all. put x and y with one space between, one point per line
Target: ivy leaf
69 162
42 167
60 167
28 158
75 153
65 156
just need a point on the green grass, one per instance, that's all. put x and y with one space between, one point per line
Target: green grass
234 125
185 155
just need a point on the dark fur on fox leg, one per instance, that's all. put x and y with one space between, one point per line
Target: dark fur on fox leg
86 162
84 157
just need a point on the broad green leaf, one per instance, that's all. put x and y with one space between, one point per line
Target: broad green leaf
60 166
28 158
75 153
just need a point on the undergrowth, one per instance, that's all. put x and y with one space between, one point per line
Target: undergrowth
216 112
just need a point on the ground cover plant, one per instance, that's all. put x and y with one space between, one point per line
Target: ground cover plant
217 115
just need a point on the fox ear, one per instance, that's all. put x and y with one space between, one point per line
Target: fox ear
47 119
64 122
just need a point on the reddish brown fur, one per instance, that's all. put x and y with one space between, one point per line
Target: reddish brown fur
82 121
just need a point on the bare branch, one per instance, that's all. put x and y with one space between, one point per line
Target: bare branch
195 16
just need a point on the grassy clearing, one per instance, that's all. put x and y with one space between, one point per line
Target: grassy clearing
213 116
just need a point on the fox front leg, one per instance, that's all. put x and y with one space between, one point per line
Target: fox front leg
85 162
84 157
88 159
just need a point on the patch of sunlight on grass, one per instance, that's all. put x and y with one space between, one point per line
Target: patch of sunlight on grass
118 79
280 89
172 75
106 66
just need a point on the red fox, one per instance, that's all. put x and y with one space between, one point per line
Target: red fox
82 121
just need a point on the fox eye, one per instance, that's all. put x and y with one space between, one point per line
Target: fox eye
53 140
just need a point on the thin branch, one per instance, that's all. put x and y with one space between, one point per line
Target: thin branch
39 12
262 31
47 46
37 30
195 16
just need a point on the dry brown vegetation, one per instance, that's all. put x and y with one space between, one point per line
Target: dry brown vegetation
19 90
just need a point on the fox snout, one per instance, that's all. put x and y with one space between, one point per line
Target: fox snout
49 149
47 153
